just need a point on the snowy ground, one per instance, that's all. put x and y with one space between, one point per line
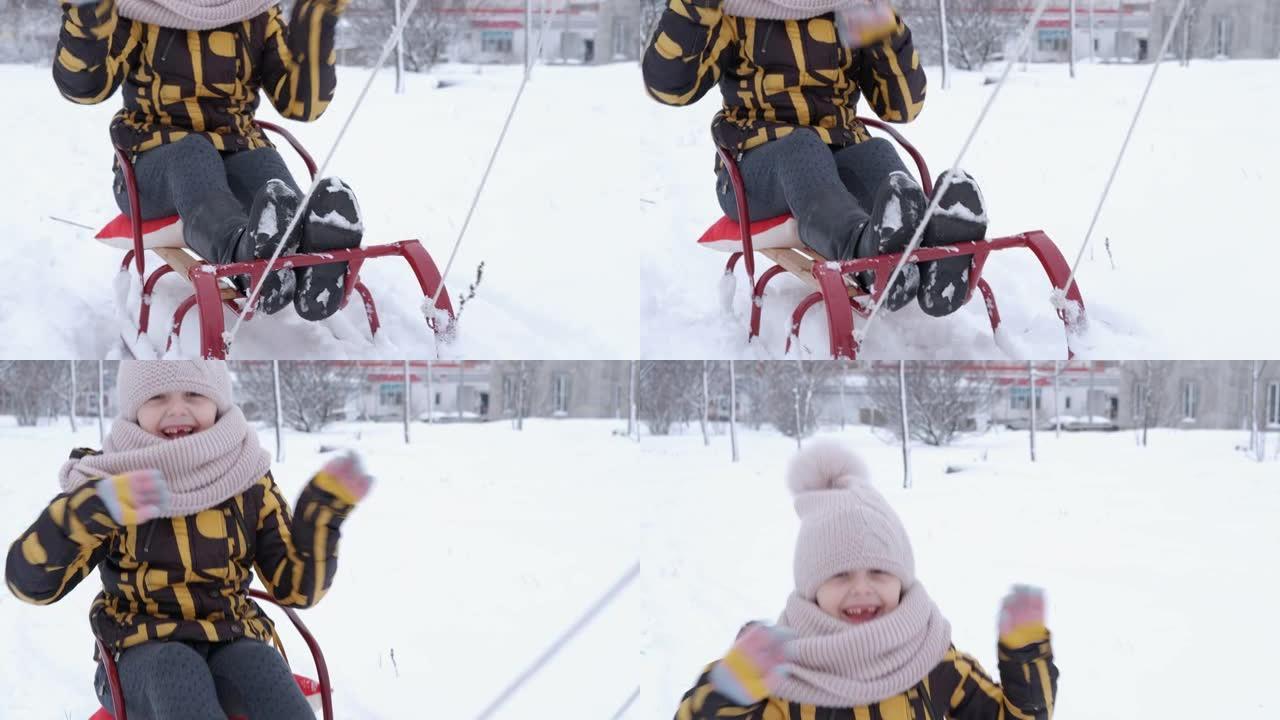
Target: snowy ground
557 190
1190 199
1159 563
466 562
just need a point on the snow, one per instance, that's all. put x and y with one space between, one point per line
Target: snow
267 225
1159 563
477 547
562 186
1187 210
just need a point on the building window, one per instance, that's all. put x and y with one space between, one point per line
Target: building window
1222 36
510 394
560 394
391 395
495 41
1190 400
1139 400
1273 404
1067 402
1053 40
1020 398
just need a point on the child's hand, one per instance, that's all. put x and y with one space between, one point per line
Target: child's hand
134 498
1022 617
345 477
866 22
755 662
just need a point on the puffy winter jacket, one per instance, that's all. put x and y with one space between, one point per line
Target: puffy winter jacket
178 82
183 578
957 689
776 75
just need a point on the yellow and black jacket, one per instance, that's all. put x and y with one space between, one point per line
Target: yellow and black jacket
957 689
184 578
777 75
178 82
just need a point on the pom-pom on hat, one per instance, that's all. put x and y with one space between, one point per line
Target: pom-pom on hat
845 523
140 380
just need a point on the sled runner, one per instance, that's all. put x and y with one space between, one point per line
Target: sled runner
211 283
318 691
778 240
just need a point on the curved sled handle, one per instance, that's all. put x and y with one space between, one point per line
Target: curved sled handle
926 181
293 142
317 656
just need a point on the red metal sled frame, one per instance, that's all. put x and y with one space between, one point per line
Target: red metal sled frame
204 277
317 656
834 293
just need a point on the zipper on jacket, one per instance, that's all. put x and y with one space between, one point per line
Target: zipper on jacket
164 54
151 528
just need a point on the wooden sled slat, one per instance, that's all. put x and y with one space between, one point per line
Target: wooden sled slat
182 260
800 263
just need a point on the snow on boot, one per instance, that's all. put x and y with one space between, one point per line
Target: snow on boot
961 217
273 208
900 205
332 222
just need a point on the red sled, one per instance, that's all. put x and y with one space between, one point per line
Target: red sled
318 691
212 289
777 239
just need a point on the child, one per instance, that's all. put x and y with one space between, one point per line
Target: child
177 511
860 637
191 71
790 82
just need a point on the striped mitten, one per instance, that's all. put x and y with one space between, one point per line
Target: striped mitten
136 497
755 661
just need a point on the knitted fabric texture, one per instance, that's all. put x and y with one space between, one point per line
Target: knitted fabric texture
784 9
839 664
139 380
192 14
202 469
845 523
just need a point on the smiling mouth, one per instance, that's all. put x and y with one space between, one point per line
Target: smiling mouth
177 431
860 614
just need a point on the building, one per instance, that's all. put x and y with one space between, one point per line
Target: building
564 31
581 389
1118 30
1223 28
456 391
1201 394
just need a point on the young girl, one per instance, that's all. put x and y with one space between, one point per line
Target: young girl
191 71
791 73
860 637
177 511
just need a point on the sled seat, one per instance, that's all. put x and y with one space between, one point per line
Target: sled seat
213 290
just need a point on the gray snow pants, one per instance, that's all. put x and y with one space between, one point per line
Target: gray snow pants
191 173
203 681
830 193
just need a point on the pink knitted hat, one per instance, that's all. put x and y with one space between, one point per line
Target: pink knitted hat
139 380
845 523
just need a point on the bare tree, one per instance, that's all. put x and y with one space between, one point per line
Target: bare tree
313 393
1152 394
976 30
789 388
32 390
943 398
733 411
668 394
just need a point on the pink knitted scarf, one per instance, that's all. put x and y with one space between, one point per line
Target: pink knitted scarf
841 665
192 14
202 469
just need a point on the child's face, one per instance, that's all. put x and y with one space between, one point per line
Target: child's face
860 596
175 414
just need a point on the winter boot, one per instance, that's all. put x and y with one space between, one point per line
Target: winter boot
961 217
332 222
900 205
220 233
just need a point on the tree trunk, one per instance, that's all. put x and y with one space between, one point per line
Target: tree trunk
102 403
1057 407
706 439
74 394
408 385
844 372
462 386
946 44
275 383
906 430
520 396
399 66
795 392
633 428
733 411
1031 380
1071 38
